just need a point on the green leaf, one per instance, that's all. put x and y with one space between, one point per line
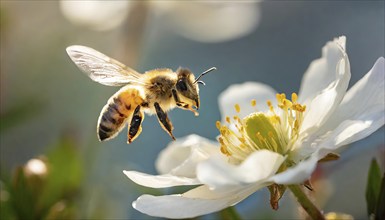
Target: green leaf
6 209
22 197
229 213
380 212
48 195
373 187
61 210
65 174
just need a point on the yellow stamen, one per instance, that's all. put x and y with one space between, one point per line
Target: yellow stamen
237 108
270 105
253 102
275 119
221 141
280 97
299 108
223 130
218 125
286 103
242 145
224 150
242 139
275 131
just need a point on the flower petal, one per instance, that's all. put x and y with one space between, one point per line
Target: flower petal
323 100
196 202
298 173
322 71
217 172
242 94
181 156
360 113
351 131
362 107
159 181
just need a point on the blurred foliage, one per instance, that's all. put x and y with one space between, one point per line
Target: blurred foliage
20 113
46 189
375 192
229 213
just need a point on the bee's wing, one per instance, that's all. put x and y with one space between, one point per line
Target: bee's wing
101 68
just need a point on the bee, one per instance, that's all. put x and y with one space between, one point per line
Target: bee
153 92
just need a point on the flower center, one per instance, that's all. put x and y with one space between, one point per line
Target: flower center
276 130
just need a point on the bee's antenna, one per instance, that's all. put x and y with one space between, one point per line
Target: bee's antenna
202 74
201 82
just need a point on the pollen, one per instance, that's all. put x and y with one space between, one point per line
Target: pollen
273 130
224 150
275 119
299 108
218 125
253 102
237 108
270 105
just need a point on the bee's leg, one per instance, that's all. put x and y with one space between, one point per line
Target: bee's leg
164 121
183 105
135 127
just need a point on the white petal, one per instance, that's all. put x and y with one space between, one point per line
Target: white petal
322 103
351 131
190 204
299 173
181 156
365 101
159 181
360 113
321 72
217 172
223 20
242 94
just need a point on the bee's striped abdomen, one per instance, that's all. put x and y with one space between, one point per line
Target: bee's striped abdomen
115 114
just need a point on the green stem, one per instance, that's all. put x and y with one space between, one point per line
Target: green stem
230 213
305 202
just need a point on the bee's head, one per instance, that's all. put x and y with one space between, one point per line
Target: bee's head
187 88
187 85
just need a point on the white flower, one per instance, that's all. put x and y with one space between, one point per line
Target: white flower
203 21
279 143
97 15
210 21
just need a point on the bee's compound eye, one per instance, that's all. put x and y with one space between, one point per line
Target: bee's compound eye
181 85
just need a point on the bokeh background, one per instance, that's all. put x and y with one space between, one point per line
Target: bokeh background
47 103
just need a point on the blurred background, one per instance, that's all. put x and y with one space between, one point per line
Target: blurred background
49 108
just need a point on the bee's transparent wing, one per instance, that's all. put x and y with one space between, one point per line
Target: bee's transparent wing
101 68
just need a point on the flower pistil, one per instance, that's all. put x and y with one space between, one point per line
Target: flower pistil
276 130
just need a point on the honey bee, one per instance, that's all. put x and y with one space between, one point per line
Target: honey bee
153 92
